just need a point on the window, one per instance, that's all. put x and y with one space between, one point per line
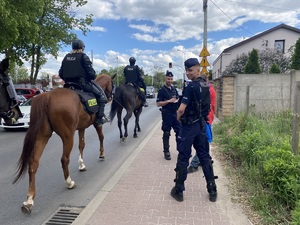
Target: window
279 45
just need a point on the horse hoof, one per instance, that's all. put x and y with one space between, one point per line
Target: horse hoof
82 169
26 209
135 136
73 187
101 157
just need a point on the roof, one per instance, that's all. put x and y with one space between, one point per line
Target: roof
262 34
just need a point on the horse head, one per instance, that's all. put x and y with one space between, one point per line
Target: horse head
7 112
106 82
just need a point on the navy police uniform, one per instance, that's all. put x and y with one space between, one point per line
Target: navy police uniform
133 75
193 133
168 113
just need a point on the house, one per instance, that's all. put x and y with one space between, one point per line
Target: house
281 37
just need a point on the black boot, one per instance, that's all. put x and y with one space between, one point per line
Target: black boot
166 145
177 190
100 117
210 180
178 195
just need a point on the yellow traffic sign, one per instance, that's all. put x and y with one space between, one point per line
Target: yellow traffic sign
204 70
204 52
204 62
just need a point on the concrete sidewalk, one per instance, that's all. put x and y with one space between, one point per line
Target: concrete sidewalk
139 193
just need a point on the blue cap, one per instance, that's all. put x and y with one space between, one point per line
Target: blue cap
191 62
169 74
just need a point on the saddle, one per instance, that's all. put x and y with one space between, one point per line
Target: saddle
87 99
140 91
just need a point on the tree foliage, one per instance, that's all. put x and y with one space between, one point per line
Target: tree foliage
269 57
296 56
266 59
252 66
237 66
274 68
37 28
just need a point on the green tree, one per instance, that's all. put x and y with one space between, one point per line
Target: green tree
252 66
36 28
275 68
296 56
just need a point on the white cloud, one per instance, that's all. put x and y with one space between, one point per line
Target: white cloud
176 22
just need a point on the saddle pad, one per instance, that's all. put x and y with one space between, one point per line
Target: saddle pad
89 101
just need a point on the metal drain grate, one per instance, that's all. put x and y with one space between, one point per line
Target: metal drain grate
64 216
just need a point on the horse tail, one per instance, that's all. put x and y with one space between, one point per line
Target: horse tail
38 115
115 103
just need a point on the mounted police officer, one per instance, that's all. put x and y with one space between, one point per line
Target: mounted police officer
133 75
167 98
193 133
77 68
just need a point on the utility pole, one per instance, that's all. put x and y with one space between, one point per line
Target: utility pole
204 53
205 24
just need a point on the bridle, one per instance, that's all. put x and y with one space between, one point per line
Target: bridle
9 114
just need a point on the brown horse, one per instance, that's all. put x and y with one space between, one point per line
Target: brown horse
59 110
126 96
8 109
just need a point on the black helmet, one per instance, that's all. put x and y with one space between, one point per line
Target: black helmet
78 44
132 60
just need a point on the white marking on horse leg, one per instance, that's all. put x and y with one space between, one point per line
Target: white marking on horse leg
81 164
29 201
70 184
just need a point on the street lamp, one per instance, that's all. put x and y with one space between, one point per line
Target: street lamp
183 59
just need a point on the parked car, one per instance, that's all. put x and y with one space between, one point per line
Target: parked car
22 122
27 92
150 92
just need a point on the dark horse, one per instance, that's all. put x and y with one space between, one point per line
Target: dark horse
8 109
59 110
126 96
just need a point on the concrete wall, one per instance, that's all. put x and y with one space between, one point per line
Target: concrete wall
257 93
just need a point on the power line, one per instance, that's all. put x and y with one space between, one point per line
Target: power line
264 6
232 19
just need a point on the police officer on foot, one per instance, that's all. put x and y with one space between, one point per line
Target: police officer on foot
133 75
167 98
77 67
193 133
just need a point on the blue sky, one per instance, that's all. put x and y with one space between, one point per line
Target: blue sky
156 32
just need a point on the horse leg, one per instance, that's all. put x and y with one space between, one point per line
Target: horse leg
137 118
119 115
65 159
81 147
101 139
39 147
126 119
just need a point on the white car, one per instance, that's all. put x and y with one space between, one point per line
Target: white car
22 122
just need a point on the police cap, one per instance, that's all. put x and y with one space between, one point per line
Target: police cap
191 62
169 74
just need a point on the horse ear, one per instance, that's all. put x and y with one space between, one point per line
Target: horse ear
4 64
114 76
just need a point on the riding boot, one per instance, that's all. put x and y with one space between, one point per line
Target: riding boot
177 190
166 145
100 117
211 186
143 96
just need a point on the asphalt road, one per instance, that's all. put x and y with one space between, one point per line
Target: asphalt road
50 185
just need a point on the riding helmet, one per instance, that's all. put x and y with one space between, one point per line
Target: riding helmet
78 44
132 60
